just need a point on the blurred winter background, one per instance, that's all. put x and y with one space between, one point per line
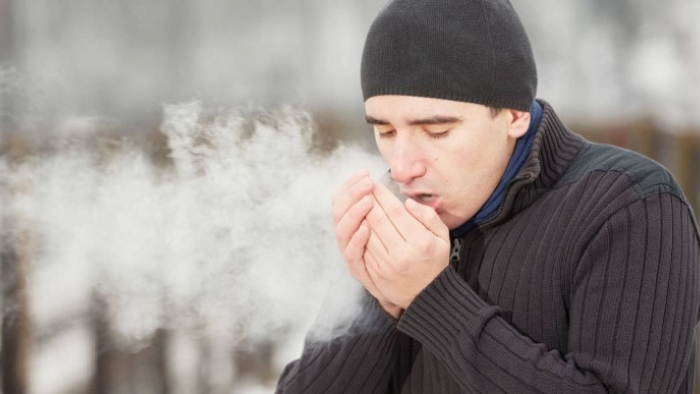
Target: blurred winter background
166 169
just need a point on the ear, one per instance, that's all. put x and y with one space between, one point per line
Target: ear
519 122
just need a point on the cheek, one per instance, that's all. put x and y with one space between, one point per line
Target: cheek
470 162
462 153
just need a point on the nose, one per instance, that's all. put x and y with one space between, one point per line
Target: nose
406 161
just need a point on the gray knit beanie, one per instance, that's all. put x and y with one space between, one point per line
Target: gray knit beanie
462 50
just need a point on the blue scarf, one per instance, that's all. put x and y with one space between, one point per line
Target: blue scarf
520 153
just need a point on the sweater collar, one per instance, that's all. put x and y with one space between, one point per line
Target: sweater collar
551 151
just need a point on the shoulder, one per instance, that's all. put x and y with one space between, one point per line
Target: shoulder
639 172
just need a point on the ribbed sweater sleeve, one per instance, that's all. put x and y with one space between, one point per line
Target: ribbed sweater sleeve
634 302
358 362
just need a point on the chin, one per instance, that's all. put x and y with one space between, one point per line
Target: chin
452 222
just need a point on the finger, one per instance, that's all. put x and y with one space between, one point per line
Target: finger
357 264
383 229
377 252
349 181
350 222
354 188
390 214
354 249
372 267
428 218
376 276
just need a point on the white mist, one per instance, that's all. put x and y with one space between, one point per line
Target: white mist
232 242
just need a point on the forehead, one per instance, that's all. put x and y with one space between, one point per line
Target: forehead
406 109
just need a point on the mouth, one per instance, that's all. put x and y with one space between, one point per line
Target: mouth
430 200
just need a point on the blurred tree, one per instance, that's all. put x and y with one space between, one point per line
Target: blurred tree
15 252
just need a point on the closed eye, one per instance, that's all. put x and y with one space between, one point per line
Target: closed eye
438 134
385 133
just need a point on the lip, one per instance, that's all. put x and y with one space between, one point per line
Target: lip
428 199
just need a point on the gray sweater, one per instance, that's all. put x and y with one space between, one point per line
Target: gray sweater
586 281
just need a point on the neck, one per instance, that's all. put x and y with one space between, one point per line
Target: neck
517 160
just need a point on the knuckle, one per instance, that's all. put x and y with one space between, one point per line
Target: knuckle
376 218
381 275
359 189
423 245
402 257
360 209
342 236
336 217
340 240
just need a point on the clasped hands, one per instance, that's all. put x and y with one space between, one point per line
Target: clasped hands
394 249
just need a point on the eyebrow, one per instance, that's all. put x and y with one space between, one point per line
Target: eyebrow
418 122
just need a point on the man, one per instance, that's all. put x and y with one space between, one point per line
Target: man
525 259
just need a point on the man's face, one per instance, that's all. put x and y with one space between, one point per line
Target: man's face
445 154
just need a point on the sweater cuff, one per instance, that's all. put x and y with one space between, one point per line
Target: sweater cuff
373 318
442 310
